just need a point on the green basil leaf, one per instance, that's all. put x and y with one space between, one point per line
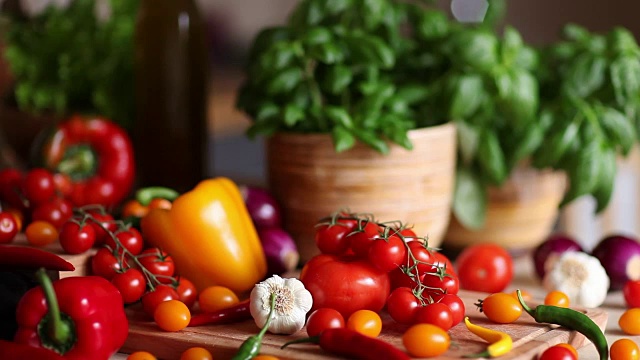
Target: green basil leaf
586 75
308 12
606 179
433 24
527 58
342 139
584 172
466 97
619 129
477 49
267 38
411 93
334 7
328 53
370 138
468 138
625 77
284 81
469 199
337 78
267 111
576 33
525 146
316 35
369 49
491 157
558 144
339 116
521 102
622 42
394 129
373 11
511 45
280 55
292 115
265 127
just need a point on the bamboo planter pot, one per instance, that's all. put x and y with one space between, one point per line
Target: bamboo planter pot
520 214
310 181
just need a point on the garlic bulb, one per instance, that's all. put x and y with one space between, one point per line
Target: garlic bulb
293 301
580 276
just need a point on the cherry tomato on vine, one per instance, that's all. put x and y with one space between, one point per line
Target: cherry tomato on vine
102 220
214 298
399 278
131 239
105 264
332 239
38 186
423 257
629 321
448 284
324 318
557 298
41 233
557 353
437 314
403 305
133 208
131 284
10 187
387 254
501 308
76 238
426 340
408 234
172 315
568 346
455 304
160 203
141 355
55 211
8 227
196 353
484 267
366 322
160 294
362 237
624 349
442 261
187 291
158 262
631 291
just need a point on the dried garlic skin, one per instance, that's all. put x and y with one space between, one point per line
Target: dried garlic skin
293 302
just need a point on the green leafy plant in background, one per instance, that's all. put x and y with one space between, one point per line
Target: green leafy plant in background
66 60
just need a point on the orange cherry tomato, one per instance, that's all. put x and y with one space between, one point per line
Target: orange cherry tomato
172 315
501 308
18 216
570 348
196 353
133 208
41 233
160 203
624 349
426 340
557 298
630 321
526 296
265 357
141 355
216 298
366 322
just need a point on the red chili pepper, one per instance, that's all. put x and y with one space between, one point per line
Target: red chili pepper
15 256
350 343
15 351
89 323
98 156
238 312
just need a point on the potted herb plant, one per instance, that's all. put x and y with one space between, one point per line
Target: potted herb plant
348 124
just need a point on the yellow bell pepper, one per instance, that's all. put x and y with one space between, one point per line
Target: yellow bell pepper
500 342
210 236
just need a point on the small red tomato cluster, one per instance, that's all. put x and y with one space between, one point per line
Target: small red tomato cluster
366 264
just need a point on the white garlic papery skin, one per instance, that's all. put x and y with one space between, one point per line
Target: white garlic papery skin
581 277
293 302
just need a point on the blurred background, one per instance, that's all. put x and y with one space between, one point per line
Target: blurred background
230 26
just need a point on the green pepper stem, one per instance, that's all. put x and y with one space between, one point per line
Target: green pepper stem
59 330
79 162
524 305
307 340
145 195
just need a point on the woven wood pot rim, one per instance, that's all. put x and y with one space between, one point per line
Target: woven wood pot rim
412 134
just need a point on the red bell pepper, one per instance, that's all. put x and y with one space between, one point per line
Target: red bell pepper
97 155
15 351
26 257
77 317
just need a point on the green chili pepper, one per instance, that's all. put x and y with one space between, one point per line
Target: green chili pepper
250 348
570 319
145 195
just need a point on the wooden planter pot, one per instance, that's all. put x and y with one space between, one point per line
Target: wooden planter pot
520 214
310 181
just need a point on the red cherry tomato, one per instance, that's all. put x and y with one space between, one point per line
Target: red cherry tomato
324 318
55 211
400 278
442 261
152 299
403 305
107 222
8 227
76 238
362 237
631 291
131 239
105 264
485 267
11 187
387 254
423 257
187 291
408 235
455 304
557 353
446 284
158 263
131 284
38 186
332 239
437 314
345 284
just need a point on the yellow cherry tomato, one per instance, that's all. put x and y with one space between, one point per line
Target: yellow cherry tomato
557 298
570 348
216 298
366 322
501 308
526 296
196 353
624 349
426 340
141 355
41 233
265 357
172 315
630 321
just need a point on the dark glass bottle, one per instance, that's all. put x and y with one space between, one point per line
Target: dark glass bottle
170 132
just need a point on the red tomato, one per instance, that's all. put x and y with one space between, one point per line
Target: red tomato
557 353
104 219
38 186
105 264
408 235
345 284
158 263
400 278
332 239
447 284
403 305
55 211
485 267
10 187
8 227
130 239
324 318
131 284
362 237
455 304
437 314
187 291
152 299
422 256
387 254
631 292
76 238
442 261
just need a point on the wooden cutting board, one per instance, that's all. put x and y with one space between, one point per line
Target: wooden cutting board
529 338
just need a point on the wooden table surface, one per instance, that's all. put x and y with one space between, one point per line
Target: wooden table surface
525 279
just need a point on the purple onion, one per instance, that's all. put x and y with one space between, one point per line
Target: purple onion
620 257
262 207
280 250
553 246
